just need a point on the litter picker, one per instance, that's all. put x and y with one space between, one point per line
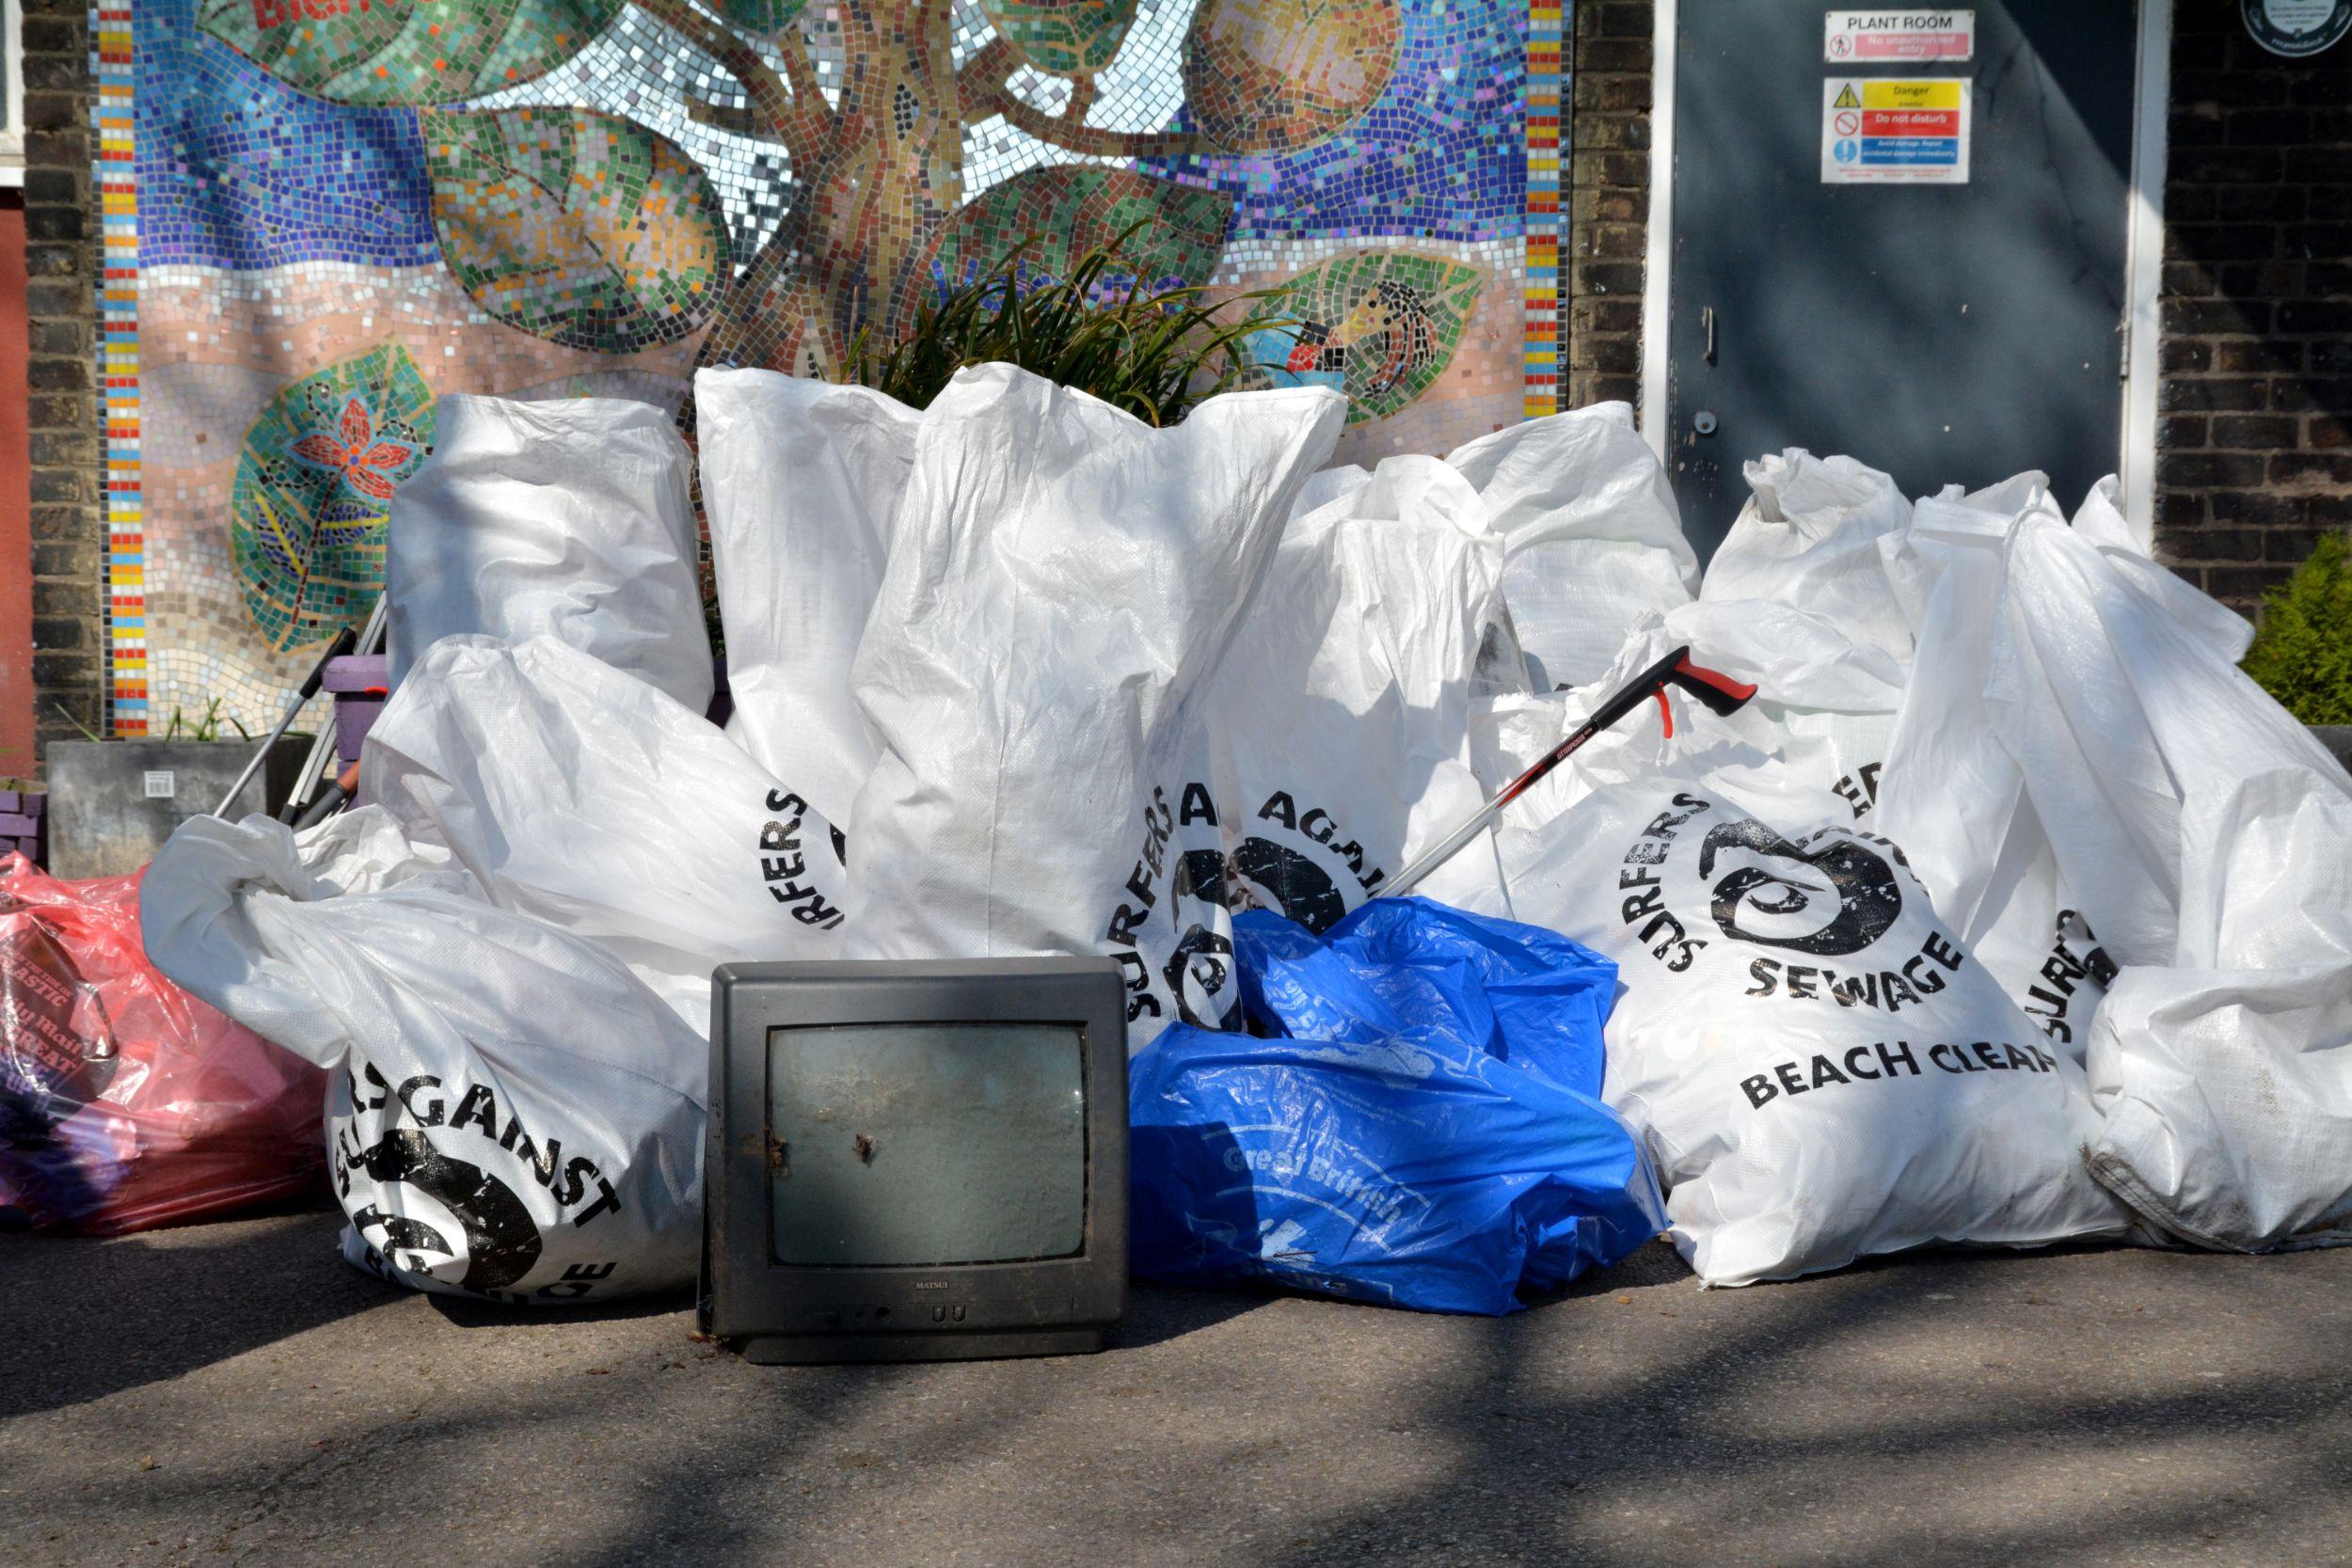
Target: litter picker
344 641
1718 690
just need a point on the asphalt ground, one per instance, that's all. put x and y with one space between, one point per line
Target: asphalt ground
233 1393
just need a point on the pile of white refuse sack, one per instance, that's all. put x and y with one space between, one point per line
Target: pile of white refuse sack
2009 913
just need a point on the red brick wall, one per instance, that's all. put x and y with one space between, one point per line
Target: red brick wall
16 589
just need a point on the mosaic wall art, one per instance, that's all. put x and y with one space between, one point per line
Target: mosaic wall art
322 215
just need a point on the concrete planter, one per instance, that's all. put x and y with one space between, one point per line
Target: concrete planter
113 802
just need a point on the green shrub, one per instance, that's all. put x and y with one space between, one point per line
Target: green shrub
1154 354
2303 653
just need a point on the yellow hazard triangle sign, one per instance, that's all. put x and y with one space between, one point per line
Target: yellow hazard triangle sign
1846 100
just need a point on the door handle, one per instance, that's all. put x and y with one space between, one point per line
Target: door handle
1706 324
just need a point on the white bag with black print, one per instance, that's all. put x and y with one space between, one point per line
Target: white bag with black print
2208 836
1592 537
1953 796
1061 578
801 478
571 518
1819 1066
591 801
512 1115
1330 746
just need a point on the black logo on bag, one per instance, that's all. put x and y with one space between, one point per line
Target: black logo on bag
2064 972
1258 875
1868 896
1313 882
1836 895
454 1134
784 865
502 1243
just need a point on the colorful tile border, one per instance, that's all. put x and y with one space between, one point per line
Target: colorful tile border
1545 79
119 368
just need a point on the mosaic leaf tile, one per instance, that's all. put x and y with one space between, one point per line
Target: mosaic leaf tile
1277 76
1378 325
317 473
1067 212
406 51
584 229
1063 38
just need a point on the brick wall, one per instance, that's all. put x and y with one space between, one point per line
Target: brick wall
61 264
2254 444
1608 198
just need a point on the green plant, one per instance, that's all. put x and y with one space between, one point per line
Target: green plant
1152 353
2303 653
204 728
64 713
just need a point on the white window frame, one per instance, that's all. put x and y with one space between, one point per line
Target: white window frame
11 93
2144 264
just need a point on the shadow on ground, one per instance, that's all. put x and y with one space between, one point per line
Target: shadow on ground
81 1320
242 1397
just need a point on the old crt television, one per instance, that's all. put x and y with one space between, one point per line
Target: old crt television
916 1161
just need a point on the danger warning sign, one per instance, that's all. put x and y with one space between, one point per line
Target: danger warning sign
1904 131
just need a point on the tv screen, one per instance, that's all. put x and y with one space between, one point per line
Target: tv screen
913 1145
915 1160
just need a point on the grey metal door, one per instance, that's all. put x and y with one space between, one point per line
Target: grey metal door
1941 332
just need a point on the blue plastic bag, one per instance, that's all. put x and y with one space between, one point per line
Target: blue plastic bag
1426 1130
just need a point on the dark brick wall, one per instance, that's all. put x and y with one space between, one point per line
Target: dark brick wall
2254 440
1608 198
61 264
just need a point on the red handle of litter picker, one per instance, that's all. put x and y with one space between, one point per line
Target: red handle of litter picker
1718 690
1712 687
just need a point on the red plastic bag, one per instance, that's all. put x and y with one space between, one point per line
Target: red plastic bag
125 1103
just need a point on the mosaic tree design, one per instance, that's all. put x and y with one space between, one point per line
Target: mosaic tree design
595 232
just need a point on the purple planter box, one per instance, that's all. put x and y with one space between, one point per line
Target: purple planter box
358 682
21 812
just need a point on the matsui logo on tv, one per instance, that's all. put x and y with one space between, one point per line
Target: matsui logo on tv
276 13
